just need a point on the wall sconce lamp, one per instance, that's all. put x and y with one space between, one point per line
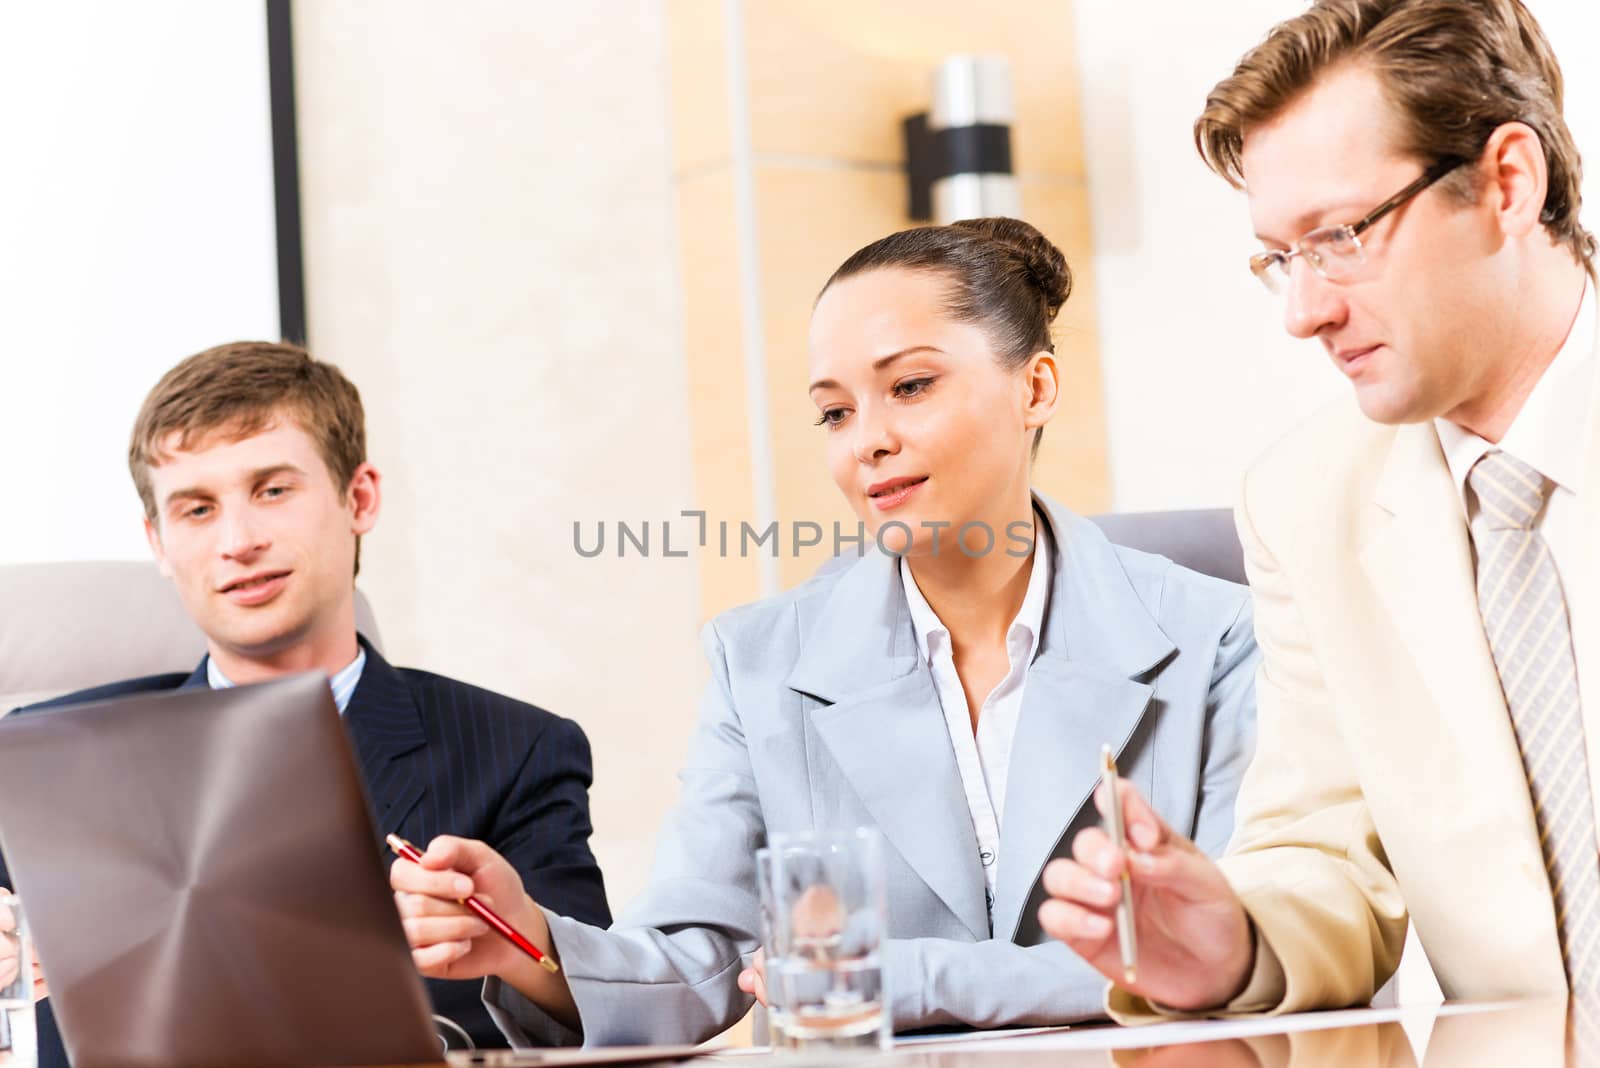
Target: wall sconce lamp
958 153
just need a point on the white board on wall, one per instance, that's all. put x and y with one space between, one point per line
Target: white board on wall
136 206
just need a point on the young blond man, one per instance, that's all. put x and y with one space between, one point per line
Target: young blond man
250 460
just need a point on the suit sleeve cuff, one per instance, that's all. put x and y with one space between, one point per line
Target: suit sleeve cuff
904 977
522 1022
1266 989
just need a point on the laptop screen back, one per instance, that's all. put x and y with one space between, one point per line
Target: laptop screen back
205 884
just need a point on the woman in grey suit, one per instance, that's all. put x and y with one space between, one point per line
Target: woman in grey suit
951 688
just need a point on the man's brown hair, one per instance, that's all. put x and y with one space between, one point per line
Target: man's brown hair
239 388
1453 70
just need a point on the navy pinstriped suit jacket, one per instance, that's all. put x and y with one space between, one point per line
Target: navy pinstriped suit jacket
442 757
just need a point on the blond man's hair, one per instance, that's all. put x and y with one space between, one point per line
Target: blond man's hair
1454 71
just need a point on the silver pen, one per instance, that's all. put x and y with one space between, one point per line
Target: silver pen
1125 935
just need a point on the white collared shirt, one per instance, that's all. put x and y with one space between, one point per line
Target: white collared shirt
342 684
985 758
1547 435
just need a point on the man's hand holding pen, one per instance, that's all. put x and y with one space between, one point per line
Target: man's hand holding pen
448 941
1194 940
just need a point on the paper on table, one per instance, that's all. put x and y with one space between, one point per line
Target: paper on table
922 1041
1166 1034
576 1058
956 1037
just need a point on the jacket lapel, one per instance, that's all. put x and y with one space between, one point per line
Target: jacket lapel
1068 711
892 745
1420 564
1085 689
880 718
385 727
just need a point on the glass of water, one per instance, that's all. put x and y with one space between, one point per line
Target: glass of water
17 1045
827 921
769 926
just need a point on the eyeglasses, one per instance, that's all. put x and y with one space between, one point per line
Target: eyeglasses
1335 252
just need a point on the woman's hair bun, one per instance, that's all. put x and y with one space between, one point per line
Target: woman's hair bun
1047 267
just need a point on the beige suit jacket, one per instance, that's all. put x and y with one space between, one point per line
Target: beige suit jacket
1386 776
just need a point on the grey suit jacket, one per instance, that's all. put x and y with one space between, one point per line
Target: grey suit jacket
821 714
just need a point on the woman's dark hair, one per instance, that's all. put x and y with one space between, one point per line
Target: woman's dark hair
1005 277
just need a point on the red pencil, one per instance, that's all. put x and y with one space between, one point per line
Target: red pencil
413 854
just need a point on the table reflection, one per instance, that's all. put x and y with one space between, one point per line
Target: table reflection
1527 1034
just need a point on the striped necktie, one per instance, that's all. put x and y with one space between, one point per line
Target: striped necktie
1525 619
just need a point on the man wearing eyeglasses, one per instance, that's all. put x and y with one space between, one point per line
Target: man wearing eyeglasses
1424 556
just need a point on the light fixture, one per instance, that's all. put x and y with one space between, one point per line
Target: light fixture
958 153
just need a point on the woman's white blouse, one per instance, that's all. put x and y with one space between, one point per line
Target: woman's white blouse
983 757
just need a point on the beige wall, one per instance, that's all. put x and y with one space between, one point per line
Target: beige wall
490 254
813 131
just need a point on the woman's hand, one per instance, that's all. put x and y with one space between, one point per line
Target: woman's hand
448 941
753 980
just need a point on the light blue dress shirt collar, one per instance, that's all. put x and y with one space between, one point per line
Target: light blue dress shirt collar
343 684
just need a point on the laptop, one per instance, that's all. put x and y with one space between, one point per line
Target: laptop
205 884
